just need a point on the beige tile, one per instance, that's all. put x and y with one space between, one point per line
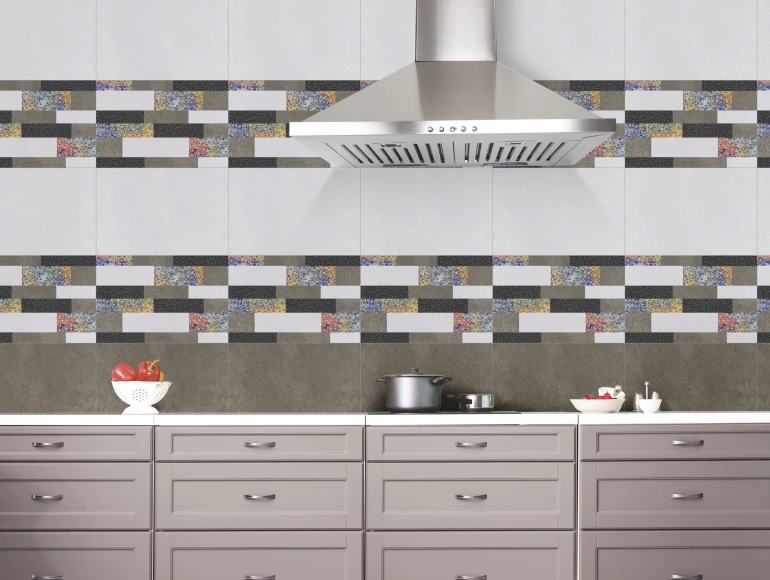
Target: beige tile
152 85
20 85
284 85
763 322
153 260
763 147
284 260
416 260
19 260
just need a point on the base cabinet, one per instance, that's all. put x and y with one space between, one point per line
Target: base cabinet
259 555
470 555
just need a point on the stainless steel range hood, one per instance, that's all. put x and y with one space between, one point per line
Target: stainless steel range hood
454 107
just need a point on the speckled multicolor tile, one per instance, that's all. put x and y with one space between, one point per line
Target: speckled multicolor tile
473 322
245 85
114 85
208 147
510 260
254 130
76 147
378 260
708 275
178 275
612 147
659 130
575 275
738 322
245 260
274 305
309 100
10 130
763 305
208 322
518 305
403 305
46 100
643 85
708 101
132 130
114 260
763 130
46 275
341 322
737 147
589 100
125 305
10 305
443 276
654 305
178 100
76 322
605 322
311 275
643 260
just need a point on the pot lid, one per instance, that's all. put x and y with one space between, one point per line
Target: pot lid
413 372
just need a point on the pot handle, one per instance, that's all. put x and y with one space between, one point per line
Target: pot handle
441 380
381 380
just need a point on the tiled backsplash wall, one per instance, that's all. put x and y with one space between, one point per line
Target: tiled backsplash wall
189 227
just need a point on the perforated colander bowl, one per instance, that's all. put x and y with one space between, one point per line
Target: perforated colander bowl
140 396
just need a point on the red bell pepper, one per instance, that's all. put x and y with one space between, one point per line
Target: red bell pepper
123 372
149 370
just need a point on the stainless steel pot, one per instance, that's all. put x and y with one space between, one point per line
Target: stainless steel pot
413 392
474 403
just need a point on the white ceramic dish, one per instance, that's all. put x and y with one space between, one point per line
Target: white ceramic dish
598 405
650 405
140 396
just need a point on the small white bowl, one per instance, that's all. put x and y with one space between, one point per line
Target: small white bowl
140 395
598 405
650 405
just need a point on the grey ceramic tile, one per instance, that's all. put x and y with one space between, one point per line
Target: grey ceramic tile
639 147
83 276
701 292
39 337
171 162
153 261
612 305
744 305
681 260
109 322
294 377
763 376
153 85
567 338
416 260
430 292
563 292
681 85
505 322
33 117
166 292
695 117
84 130
83 305
744 276
586 163
215 100
700 337
744 100
612 275
700 162
549 260
109 147
695 377
83 101
215 130
215 276
33 292
613 100
166 116
303 338
19 260
375 322
435 338
298 292
39 162
744 130
171 338
240 322
302 162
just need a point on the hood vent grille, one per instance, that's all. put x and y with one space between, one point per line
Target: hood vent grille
454 154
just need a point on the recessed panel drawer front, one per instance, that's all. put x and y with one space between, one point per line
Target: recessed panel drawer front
75 443
253 555
75 496
259 443
470 443
675 442
435 496
675 494
252 496
75 555
699 555
470 555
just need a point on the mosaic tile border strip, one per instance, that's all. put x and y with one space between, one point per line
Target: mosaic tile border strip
373 299
244 123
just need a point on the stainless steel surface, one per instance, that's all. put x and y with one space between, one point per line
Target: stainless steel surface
474 403
655 395
413 392
678 577
47 497
461 30
56 577
482 577
480 444
254 444
47 444
638 397
248 577
693 443
259 497
686 496
471 497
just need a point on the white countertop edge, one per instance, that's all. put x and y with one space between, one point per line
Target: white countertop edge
674 418
262 419
403 420
32 420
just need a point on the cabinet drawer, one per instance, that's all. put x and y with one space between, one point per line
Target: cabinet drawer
675 442
239 555
76 555
75 496
280 495
75 443
470 496
259 444
675 494
451 555
470 443
662 555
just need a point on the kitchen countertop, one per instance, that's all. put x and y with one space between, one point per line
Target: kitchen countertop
386 420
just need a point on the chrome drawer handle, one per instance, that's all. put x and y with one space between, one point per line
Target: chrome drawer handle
678 577
696 443
483 577
686 496
271 577
482 444
47 444
471 497
253 444
47 497
57 577
258 497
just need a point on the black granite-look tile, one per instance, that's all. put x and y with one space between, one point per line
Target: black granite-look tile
516 292
729 260
119 162
762 162
6 162
597 85
236 292
200 261
45 305
241 117
121 337
165 305
649 292
575 305
311 305
253 337
649 162
441 305
171 130
763 292
68 260
120 291
332 85
333 260
200 85
649 337
597 260
730 85
763 337
464 260
68 85
510 337
6 292
252 162
763 117
641 117
6 116
384 337
109 117
695 305
707 130
42 130
384 292
6 338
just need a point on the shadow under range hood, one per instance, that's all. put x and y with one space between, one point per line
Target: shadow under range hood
456 106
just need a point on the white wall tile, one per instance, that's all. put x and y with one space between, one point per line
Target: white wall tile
76 116
387 36
691 39
478 337
610 337
80 162
737 116
390 276
295 212
48 40
763 26
190 205
689 322
691 212
426 211
28 322
292 322
690 147
553 39
423 322
763 275
173 322
207 292
482 292
345 337
521 275
47 211
654 100
257 101
213 337
272 147
172 39
165 147
763 100
605 292
749 292
10 275
558 212
295 39
38 147
80 337
208 116
341 292
742 162
610 162
256 275
125 100
654 276
741 337
87 292
213 162
560 322
125 275
763 205
10 100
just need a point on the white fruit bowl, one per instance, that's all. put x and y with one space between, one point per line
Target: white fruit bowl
140 396
598 405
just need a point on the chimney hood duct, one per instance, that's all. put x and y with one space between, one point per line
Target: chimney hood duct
456 106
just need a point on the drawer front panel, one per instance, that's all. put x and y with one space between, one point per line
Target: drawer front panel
259 443
470 443
75 443
667 494
280 495
675 442
75 496
76 555
239 555
663 555
470 496
449 555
